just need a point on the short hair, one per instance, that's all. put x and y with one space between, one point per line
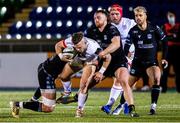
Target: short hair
103 12
139 9
77 37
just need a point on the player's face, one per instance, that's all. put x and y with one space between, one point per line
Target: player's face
140 17
81 46
99 19
115 16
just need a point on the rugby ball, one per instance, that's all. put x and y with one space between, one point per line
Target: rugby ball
69 52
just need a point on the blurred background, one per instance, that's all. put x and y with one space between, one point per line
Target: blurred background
30 28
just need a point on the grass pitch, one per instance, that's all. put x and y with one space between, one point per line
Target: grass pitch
168 109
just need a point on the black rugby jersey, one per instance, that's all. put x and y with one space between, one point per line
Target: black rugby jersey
146 42
104 38
54 66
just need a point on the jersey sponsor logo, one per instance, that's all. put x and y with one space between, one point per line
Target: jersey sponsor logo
145 46
149 36
140 42
132 71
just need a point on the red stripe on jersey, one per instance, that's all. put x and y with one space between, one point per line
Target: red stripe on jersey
64 44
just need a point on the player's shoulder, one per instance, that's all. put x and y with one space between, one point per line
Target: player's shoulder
127 20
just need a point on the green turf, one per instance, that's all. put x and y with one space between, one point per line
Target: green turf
168 109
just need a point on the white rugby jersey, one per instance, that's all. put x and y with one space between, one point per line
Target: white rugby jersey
124 26
90 53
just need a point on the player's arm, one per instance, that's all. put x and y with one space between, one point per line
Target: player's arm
115 44
106 61
162 37
59 46
128 43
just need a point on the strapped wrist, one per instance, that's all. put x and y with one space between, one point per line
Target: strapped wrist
102 70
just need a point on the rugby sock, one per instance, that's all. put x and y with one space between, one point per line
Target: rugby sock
66 86
37 94
35 106
155 93
81 100
122 100
115 92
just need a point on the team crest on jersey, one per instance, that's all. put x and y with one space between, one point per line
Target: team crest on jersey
149 36
139 36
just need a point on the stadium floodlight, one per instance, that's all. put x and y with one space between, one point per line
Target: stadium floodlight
109 8
28 36
89 9
38 36
99 8
79 23
59 23
58 9
48 24
8 36
18 24
58 36
79 9
3 10
69 9
89 24
49 9
39 9
0 37
38 24
131 8
48 36
69 23
18 36
28 24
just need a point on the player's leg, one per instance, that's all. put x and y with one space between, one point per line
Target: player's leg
48 96
36 95
122 104
87 75
115 92
154 74
122 76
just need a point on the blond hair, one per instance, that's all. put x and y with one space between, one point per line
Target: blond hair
140 9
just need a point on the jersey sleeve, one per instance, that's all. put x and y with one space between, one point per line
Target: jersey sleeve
162 37
114 31
88 33
128 43
68 42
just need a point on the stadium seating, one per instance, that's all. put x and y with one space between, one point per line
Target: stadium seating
63 17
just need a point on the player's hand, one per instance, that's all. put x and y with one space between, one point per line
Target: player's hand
65 58
164 63
98 76
102 54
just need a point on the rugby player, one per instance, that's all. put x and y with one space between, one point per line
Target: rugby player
146 37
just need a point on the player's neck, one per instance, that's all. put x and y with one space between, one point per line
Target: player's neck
102 27
143 26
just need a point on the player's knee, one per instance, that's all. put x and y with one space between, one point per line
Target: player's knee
63 78
48 109
48 104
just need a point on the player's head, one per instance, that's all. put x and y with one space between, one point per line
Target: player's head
140 14
79 41
171 17
116 13
100 18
